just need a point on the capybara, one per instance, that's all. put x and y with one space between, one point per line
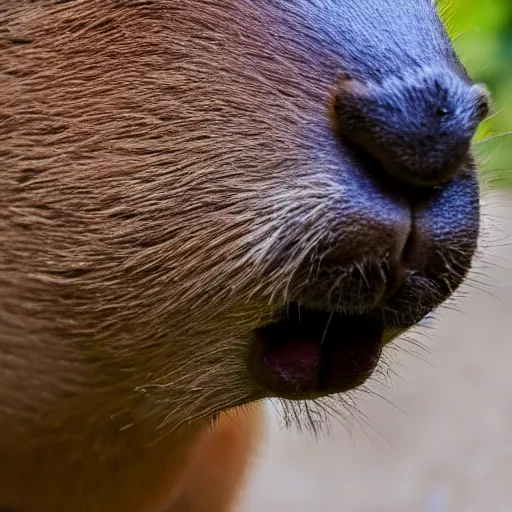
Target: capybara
205 203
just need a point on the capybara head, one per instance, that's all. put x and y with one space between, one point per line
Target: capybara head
209 202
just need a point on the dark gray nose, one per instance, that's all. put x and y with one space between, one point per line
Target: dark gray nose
418 126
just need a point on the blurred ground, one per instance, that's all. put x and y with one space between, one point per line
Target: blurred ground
450 450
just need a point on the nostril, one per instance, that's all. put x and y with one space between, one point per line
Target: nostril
419 127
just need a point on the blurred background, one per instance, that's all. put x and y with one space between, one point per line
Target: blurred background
436 436
482 34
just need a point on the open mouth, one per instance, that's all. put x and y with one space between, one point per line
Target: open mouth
339 315
313 353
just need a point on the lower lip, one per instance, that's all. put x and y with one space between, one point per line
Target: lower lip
312 354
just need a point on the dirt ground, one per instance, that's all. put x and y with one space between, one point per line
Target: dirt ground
439 439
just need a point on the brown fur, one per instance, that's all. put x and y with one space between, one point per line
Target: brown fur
152 187
100 265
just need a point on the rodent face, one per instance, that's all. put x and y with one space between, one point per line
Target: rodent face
229 193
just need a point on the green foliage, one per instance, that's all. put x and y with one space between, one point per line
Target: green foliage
482 33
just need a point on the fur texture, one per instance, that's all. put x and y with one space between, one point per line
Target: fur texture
168 169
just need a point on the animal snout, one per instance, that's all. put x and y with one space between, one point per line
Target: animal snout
418 126
410 196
